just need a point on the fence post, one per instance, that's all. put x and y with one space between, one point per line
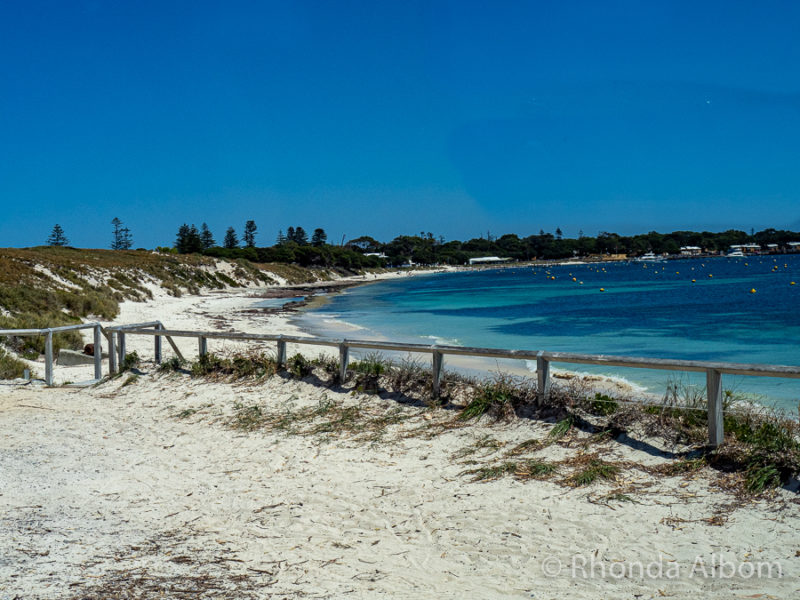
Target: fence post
48 358
112 352
281 357
437 372
344 358
542 377
121 349
157 349
202 346
716 427
98 352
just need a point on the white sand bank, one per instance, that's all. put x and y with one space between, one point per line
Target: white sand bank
109 488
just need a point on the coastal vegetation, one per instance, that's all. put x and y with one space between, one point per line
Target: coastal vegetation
761 449
57 285
10 366
428 249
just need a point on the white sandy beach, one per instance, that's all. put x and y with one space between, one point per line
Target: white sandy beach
142 486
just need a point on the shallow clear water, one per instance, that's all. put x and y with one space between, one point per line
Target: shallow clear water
647 309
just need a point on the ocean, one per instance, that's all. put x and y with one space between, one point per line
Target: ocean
739 310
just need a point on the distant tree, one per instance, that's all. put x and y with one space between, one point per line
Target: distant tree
281 239
188 240
250 234
123 240
290 234
300 236
319 237
57 237
181 238
365 243
559 234
231 240
206 238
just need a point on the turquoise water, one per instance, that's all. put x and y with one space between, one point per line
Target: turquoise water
647 309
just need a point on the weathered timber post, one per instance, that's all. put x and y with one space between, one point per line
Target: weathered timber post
437 372
112 352
121 349
157 343
202 346
98 352
716 427
48 358
281 356
344 358
542 378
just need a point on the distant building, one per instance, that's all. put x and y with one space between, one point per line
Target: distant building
793 246
691 250
487 260
746 248
378 254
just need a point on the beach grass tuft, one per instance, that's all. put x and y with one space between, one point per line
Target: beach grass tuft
171 365
253 364
131 361
491 472
299 366
535 469
10 366
133 378
591 471
561 428
499 397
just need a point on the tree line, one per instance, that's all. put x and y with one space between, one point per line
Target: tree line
295 246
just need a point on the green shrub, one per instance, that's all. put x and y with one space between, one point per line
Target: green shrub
10 366
299 366
373 364
602 405
131 361
171 365
499 398
239 366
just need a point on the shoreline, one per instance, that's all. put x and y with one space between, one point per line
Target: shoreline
234 309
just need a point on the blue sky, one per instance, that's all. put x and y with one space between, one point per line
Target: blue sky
389 118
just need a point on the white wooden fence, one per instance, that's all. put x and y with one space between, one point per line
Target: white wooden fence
116 336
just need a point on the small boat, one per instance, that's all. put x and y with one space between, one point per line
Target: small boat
735 254
650 257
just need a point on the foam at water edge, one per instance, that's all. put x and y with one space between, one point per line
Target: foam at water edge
440 341
616 380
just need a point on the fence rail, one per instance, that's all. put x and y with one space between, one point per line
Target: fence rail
48 345
116 336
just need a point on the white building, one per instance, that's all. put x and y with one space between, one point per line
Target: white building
746 248
487 260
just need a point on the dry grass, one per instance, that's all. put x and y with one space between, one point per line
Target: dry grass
10 366
49 286
761 449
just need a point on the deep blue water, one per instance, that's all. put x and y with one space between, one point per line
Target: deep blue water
647 309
